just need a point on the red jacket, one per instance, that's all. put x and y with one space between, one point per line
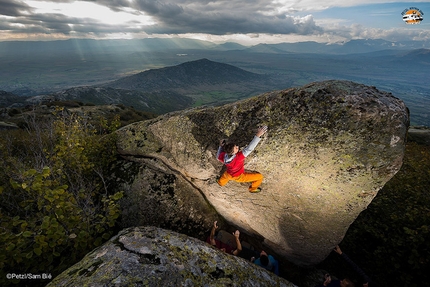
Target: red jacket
236 166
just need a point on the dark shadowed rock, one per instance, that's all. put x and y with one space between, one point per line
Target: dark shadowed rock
419 135
159 196
148 256
330 147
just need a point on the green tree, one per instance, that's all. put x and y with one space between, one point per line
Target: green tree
55 203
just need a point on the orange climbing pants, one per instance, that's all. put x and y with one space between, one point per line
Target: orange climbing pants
255 178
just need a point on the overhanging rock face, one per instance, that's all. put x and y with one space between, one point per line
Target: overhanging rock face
149 256
329 149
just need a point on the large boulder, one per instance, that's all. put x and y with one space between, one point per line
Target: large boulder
149 256
330 147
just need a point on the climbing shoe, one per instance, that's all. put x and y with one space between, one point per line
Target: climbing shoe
255 190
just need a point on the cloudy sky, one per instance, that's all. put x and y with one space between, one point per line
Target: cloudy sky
245 21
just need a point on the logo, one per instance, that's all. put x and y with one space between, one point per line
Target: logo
412 15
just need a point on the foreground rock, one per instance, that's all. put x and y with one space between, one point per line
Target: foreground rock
330 147
148 256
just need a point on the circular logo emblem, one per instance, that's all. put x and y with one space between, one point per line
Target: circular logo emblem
412 15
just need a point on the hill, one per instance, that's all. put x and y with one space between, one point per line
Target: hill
8 99
206 82
22 117
419 56
199 75
154 102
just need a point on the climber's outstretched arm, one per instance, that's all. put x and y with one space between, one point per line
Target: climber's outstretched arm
261 131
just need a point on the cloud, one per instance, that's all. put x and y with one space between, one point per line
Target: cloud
58 24
218 18
222 17
13 8
315 5
229 23
357 31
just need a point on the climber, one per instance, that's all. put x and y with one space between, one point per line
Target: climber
223 246
234 160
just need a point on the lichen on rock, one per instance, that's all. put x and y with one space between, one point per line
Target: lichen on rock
329 149
149 256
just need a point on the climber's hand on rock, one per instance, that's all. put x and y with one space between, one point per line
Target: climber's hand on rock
261 131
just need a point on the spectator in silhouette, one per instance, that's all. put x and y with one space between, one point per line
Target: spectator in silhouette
234 161
328 282
367 282
268 262
223 246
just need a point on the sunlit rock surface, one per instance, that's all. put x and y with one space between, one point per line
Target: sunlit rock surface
329 149
149 256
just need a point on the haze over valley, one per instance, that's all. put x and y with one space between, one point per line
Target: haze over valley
43 68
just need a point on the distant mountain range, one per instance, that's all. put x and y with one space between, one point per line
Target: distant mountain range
35 68
90 46
186 72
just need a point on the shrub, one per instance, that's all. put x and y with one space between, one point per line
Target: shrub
55 206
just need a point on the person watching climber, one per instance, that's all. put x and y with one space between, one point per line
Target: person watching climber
221 245
268 262
367 282
234 160
328 282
